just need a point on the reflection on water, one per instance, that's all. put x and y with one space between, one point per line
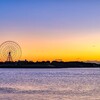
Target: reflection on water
50 84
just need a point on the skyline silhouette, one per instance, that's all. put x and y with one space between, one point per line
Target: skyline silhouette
48 64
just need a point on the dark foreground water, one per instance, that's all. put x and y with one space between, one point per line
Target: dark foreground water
50 84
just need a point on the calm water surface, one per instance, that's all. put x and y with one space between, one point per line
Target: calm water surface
50 84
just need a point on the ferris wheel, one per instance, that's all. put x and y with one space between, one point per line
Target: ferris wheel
10 51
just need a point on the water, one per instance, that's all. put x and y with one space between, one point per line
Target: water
50 84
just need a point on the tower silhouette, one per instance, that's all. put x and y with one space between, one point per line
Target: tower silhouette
9 58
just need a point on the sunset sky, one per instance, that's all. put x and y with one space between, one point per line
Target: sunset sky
52 29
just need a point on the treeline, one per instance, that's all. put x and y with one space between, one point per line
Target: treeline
47 64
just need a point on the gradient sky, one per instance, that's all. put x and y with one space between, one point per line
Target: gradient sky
52 29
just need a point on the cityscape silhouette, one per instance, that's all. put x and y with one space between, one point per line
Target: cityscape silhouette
11 52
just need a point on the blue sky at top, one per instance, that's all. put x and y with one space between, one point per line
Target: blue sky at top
50 14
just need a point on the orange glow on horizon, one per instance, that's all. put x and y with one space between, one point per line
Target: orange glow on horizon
66 47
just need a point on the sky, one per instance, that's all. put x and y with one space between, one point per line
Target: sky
52 29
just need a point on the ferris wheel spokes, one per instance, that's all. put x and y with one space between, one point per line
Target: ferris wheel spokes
10 51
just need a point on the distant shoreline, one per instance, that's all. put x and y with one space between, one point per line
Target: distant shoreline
47 64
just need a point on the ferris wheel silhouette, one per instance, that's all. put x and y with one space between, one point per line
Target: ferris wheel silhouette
10 51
